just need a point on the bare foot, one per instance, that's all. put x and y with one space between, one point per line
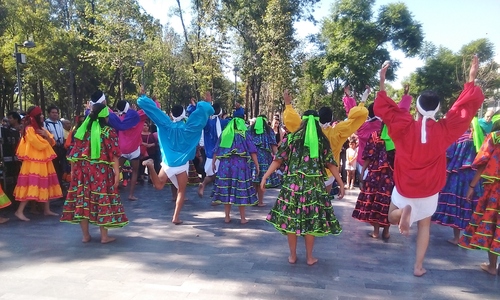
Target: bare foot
201 189
292 259
214 203
133 198
261 204
50 213
148 162
21 216
86 239
227 220
404 223
489 269
453 241
244 221
385 233
107 240
178 222
311 261
3 220
418 272
373 235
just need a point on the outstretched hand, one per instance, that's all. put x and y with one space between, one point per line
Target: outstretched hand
383 71
287 97
193 102
407 89
474 68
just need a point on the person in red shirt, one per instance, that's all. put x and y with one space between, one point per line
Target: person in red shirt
420 163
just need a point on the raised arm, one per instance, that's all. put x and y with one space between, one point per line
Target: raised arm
153 112
131 119
291 118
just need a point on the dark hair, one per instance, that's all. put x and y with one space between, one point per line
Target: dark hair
429 100
121 105
14 115
96 96
36 118
94 115
267 128
50 108
217 108
325 115
321 136
371 113
177 110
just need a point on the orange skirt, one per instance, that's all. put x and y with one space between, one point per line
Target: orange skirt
37 181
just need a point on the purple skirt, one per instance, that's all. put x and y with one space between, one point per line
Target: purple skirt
233 182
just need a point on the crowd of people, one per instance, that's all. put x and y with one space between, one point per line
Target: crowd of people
408 169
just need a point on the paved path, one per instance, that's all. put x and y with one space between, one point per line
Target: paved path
207 259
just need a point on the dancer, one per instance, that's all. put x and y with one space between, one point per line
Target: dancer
454 209
93 193
303 207
420 165
37 179
263 137
483 231
178 142
233 182
336 135
211 134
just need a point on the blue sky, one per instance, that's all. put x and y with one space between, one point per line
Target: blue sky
450 23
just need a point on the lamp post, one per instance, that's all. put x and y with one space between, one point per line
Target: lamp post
71 88
21 59
235 70
141 64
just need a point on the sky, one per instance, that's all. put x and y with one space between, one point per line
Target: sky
449 23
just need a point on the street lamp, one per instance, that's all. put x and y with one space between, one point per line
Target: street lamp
235 70
71 88
21 59
141 64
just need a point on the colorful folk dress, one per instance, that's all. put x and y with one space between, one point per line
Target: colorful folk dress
303 206
374 199
37 179
233 181
264 143
91 193
4 200
453 208
483 231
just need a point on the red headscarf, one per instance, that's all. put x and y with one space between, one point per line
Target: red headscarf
31 119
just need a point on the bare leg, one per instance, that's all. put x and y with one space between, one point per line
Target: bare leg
206 181
84 225
292 244
385 233
242 215
456 236
394 214
423 233
227 212
182 180
309 250
329 188
173 189
3 220
490 267
159 179
47 211
134 163
20 211
349 178
404 222
104 236
260 194
376 231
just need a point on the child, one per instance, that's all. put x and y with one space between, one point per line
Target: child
95 174
233 182
352 155
303 207
483 231
420 164
262 135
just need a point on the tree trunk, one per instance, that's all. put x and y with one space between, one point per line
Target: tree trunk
247 96
42 95
189 50
36 99
258 86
